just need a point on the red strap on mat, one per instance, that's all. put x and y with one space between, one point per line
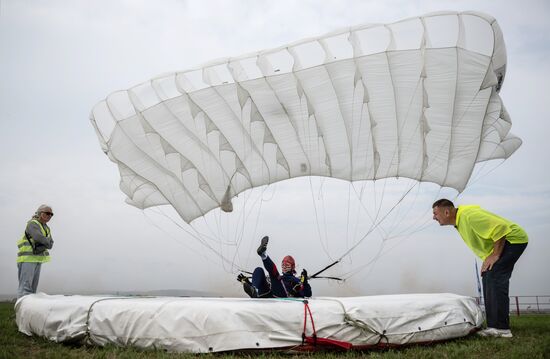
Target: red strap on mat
313 340
328 342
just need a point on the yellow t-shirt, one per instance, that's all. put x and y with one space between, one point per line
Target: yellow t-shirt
480 229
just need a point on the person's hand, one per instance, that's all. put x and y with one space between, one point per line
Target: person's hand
242 278
303 276
488 263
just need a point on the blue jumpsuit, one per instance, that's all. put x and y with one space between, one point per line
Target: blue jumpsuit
282 286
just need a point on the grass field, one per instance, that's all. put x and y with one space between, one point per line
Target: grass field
531 340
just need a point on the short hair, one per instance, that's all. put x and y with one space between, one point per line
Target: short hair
443 202
41 209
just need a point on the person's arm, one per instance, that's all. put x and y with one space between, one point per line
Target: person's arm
306 291
495 256
302 287
35 233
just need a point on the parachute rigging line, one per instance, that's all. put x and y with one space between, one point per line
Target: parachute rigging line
173 238
199 238
323 245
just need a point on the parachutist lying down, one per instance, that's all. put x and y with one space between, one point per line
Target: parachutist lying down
278 286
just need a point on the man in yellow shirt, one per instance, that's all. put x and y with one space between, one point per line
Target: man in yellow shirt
499 243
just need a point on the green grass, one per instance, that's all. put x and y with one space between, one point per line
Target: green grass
531 340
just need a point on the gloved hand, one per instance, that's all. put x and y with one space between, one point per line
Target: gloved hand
242 278
303 276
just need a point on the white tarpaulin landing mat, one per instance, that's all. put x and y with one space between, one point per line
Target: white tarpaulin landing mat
219 324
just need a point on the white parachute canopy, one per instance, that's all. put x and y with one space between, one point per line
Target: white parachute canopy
417 98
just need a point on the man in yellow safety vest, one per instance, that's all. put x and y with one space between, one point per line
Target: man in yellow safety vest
33 250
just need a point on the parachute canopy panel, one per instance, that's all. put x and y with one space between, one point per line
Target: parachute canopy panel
417 98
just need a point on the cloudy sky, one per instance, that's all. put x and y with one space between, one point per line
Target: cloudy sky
59 58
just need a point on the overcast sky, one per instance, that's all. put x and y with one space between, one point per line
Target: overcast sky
59 58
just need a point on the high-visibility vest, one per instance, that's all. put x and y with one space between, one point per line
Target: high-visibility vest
25 253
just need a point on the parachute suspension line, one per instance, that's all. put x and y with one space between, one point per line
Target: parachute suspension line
481 175
358 215
323 210
323 244
423 217
399 217
246 219
198 236
324 241
425 224
367 212
371 229
348 214
321 198
219 253
379 206
226 206
375 225
254 234
382 250
239 229
259 199
387 250
384 237
377 256
215 234
220 234
274 186
169 235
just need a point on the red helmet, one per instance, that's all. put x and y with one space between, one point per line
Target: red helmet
288 265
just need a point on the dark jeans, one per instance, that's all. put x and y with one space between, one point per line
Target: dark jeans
260 282
496 286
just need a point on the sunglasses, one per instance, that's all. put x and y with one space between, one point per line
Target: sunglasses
48 213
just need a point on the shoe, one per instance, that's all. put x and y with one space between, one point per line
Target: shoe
495 333
263 246
504 333
250 290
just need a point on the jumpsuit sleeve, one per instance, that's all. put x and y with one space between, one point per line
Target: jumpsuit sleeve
301 289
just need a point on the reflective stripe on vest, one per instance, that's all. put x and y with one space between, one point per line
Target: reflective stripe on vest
25 252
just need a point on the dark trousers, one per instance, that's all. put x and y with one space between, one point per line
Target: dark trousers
260 282
496 286
265 290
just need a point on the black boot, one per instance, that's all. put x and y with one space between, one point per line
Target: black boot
263 246
250 290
